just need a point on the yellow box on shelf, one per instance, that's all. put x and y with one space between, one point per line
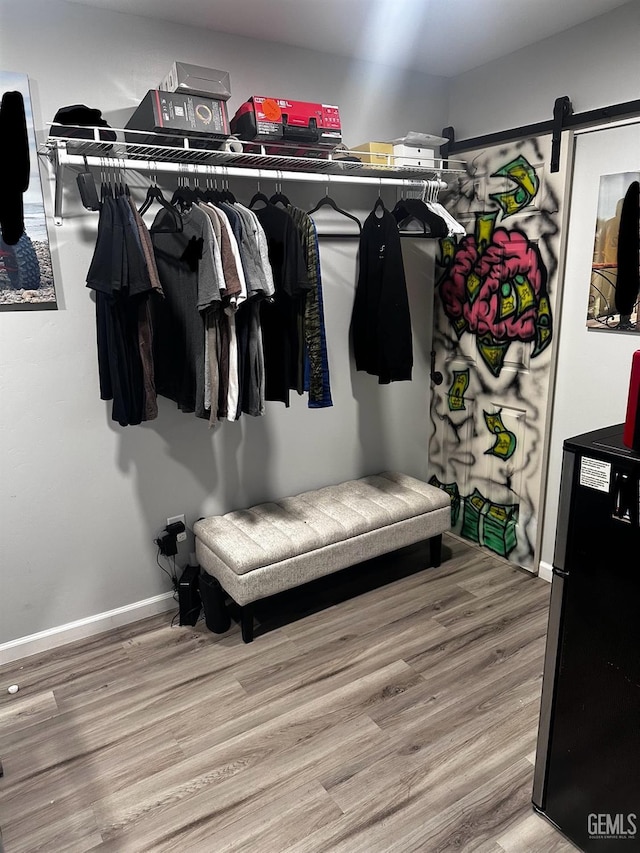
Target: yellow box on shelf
379 153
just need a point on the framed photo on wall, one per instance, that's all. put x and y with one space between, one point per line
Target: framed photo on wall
26 274
614 297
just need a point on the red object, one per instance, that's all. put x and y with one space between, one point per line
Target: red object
631 434
263 119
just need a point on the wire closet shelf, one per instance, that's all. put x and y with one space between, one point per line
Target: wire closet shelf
188 156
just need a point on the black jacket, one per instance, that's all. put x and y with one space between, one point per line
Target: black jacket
381 324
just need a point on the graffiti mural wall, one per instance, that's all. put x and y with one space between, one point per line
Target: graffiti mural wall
495 304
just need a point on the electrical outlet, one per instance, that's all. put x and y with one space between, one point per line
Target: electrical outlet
181 537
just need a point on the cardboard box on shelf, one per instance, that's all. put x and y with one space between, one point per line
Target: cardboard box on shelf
379 153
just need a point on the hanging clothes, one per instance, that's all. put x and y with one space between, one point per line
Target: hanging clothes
315 362
185 261
239 315
237 363
380 322
122 278
248 326
280 316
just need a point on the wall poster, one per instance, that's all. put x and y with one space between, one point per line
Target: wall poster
26 274
615 270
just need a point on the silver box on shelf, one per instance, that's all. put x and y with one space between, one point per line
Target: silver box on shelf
197 80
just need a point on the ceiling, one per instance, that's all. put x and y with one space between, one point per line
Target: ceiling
442 37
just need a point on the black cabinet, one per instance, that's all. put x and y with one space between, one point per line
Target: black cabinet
587 777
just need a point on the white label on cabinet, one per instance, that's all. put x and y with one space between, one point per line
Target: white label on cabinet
595 474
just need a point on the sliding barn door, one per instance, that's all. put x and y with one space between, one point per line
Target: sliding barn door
495 324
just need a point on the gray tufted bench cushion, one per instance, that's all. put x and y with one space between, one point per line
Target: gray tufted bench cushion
266 549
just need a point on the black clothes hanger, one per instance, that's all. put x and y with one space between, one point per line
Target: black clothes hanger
327 201
378 208
154 193
106 190
280 198
258 197
183 196
413 208
213 195
228 196
198 193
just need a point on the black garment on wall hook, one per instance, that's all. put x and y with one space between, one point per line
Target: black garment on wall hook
628 278
14 166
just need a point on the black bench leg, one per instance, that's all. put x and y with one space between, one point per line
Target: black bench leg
246 623
435 543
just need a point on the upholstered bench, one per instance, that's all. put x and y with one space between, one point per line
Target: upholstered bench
257 552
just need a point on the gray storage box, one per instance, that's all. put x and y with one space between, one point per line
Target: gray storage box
195 79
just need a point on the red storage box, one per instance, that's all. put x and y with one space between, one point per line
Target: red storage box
263 119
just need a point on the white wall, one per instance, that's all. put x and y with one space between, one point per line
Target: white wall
81 498
596 63
593 365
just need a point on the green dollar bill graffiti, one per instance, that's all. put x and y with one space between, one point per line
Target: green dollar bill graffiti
457 390
490 524
454 493
522 173
505 440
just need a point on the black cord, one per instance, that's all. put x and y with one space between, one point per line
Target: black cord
174 577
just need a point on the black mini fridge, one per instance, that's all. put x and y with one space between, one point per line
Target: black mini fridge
587 773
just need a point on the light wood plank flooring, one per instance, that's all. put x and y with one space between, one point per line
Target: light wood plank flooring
403 719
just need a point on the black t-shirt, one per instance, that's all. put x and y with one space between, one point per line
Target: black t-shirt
119 275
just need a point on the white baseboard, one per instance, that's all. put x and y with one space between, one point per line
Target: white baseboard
545 571
59 636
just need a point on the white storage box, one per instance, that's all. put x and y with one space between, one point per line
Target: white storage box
408 155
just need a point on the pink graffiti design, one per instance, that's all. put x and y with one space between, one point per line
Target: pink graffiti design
495 288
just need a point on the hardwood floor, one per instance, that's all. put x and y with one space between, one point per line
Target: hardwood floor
403 719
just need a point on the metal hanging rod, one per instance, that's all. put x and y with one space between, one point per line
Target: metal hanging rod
327 167
61 159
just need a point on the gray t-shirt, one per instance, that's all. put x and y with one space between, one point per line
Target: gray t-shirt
188 276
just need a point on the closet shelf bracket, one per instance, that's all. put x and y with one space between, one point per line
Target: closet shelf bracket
58 169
